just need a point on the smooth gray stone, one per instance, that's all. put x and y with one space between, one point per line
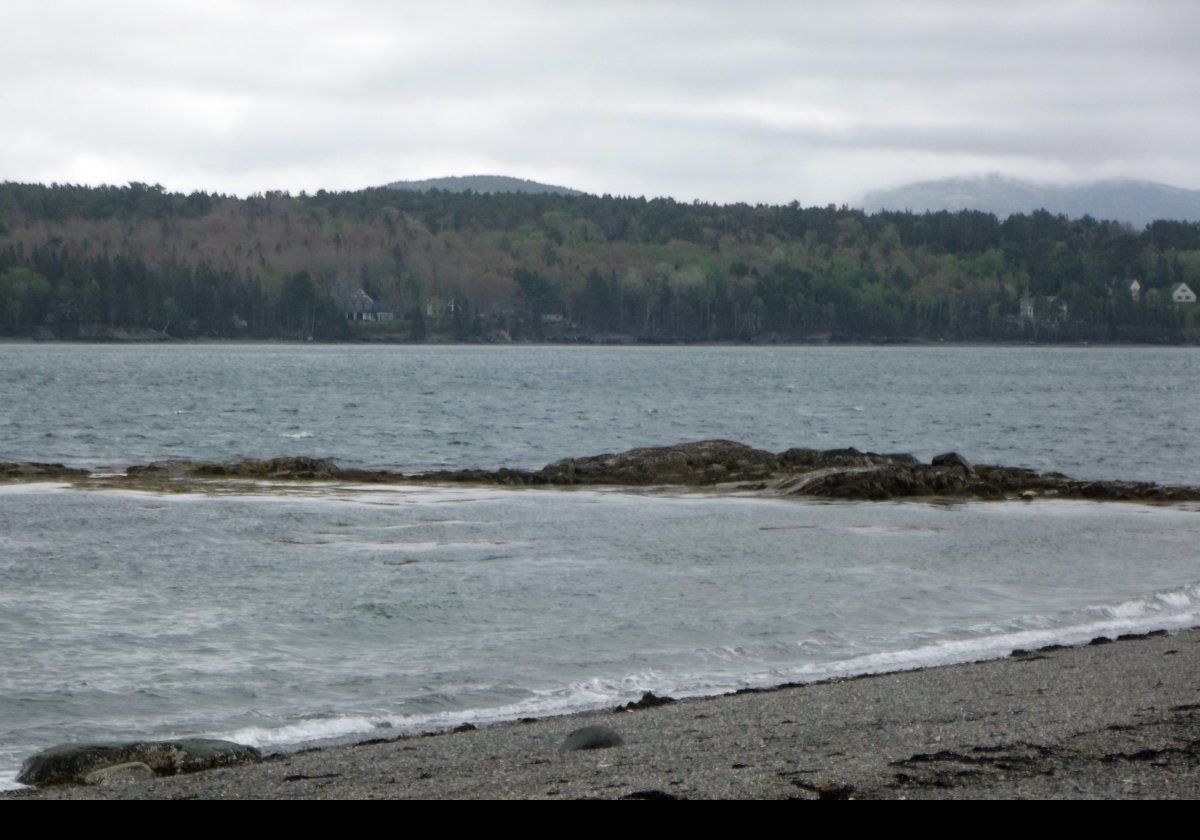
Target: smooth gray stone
71 763
591 738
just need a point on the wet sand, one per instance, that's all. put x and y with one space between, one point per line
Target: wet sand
1116 720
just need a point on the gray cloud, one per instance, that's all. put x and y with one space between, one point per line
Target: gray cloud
760 101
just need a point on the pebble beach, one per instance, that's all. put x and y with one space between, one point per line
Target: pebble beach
1113 719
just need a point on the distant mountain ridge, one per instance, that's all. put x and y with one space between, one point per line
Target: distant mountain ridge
1135 202
482 184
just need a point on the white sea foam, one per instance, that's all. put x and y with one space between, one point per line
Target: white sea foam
1176 598
577 697
32 488
425 523
598 587
743 668
321 729
1138 615
1175 609
426 546
1129 609
1179 608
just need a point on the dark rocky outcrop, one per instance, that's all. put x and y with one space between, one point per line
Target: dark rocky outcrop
648 700
504 476
830 474
74 763
952 479
953 459
819 459
886 481
704 462
953 475
272 468
32 469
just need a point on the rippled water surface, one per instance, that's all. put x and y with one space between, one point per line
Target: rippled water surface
278 614
1092 412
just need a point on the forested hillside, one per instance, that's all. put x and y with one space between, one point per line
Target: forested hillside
137 261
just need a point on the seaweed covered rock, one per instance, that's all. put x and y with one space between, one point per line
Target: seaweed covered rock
817 459
648 700
953 459
879 482
957 478
703 462
33 469
831 473
74 763
503 476
292 467
161 469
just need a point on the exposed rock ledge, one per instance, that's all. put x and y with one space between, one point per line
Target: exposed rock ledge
291 468
31 469
842 474
830 474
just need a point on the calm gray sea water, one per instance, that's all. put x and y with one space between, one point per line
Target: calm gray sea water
282 615
1092 412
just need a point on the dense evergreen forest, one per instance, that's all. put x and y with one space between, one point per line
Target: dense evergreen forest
140 262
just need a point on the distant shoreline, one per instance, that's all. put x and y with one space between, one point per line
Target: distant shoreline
293 342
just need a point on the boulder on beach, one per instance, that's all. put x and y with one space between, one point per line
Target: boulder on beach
591 738
648 700
74 763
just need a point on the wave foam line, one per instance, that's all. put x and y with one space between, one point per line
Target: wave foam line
1174 609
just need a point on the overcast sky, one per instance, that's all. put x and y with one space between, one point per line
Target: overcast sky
723 101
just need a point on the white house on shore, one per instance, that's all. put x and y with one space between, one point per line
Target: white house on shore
363 308
1047 310
1135 290
1182 293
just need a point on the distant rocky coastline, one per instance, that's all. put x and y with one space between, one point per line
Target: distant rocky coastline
721 464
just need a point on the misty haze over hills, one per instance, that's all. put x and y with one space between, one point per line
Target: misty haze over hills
1135 202
482 184
1126 200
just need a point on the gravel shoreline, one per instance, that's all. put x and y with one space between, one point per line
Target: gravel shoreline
1119 720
